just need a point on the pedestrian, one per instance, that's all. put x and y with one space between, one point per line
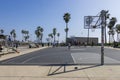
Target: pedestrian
92 44
1 48
85 44
69 46
53 44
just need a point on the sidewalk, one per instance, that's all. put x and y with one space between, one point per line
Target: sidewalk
112 48
57 73
82 72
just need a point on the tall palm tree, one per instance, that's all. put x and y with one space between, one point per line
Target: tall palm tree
51 36
41 29
118 31
66 18
66 30
111 24
109 35
26 35
112 33
1 31
54 33
106 17
39 33
13 34
23 32
58 34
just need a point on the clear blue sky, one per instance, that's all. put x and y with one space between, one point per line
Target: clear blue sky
28 14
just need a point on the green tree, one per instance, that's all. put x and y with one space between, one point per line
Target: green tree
13 34
117 27
23 32
41 29
54 33
58 35
26 35
66 18
1 31
51 36
39 33
111 24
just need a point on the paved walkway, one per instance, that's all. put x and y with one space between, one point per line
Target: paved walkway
57 73
79 72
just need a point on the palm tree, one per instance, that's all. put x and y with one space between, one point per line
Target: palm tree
66 18
13 34
66 30
26 35
106 17
23 32
58 34
118 31
54 33
41 29
1 31
39 33
111 32
51 36
111 24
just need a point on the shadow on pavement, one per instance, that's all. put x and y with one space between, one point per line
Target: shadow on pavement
56 71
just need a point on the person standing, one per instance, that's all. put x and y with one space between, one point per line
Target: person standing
69 46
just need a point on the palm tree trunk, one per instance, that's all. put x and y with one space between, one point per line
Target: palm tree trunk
51 40
105 35
66 32
109 39
117 37
54 38
58 39
22 36
113 38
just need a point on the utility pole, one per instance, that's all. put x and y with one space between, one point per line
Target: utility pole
103 26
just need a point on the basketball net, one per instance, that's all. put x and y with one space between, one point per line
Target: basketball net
93 30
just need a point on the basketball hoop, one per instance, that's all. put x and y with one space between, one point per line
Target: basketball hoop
93 28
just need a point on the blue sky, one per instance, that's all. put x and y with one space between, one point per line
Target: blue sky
28 14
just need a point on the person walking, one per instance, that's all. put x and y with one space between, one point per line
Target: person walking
69 46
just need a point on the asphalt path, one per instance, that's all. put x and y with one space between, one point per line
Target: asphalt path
61 55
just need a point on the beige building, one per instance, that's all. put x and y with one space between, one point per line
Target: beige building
82 40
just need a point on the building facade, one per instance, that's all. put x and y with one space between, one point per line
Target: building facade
82 40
